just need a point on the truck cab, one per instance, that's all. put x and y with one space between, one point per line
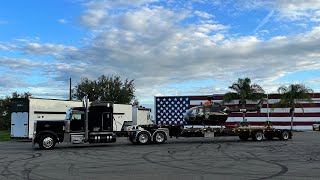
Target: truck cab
93 124
75 119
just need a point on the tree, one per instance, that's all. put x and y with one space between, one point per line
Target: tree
292 96
244 90
5 108
106 88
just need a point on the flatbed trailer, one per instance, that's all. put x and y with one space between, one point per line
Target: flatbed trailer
146 134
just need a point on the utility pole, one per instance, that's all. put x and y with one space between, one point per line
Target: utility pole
70 90
268 107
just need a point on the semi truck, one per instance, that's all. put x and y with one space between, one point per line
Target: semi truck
96 123
25 111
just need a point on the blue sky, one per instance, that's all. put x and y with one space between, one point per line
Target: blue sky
172 47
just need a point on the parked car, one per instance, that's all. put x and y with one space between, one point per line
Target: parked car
316 126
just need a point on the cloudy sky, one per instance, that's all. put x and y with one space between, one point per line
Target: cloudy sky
170 47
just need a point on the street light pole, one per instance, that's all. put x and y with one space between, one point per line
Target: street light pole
268 107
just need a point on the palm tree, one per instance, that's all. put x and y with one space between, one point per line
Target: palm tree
244 90
292 96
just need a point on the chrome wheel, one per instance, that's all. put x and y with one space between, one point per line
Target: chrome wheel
143 138
285 135
159 137
48 142
258 136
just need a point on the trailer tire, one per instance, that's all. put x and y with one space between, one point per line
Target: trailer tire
257 136
244 137
47 141
159 137
143 138
284 135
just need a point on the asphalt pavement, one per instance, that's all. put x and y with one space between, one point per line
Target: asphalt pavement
183 158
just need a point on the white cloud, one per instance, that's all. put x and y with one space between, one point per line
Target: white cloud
207 28
203 14
149 44
163 63
55 50
99 12
93 17
284 10
297 10
63 21
3 47
2 22
17 64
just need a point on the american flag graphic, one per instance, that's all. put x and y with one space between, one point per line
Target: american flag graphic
170 110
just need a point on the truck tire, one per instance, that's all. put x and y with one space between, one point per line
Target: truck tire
244 137
143 138
47 141
257 136
159 137
284 135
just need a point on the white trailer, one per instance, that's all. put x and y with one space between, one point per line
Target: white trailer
27 110
125 115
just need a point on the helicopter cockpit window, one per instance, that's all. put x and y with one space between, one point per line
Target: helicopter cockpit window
200 111
189 112
193 111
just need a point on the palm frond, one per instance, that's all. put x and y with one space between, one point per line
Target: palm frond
244 90
292 94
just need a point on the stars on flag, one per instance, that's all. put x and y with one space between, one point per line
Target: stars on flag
171 110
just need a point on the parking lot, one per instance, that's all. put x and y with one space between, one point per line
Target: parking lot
183 158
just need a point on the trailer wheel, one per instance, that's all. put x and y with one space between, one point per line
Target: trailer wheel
143 138
47 141
244 137
257 136
284 135
159 137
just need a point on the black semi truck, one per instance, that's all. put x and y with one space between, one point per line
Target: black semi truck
93 124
